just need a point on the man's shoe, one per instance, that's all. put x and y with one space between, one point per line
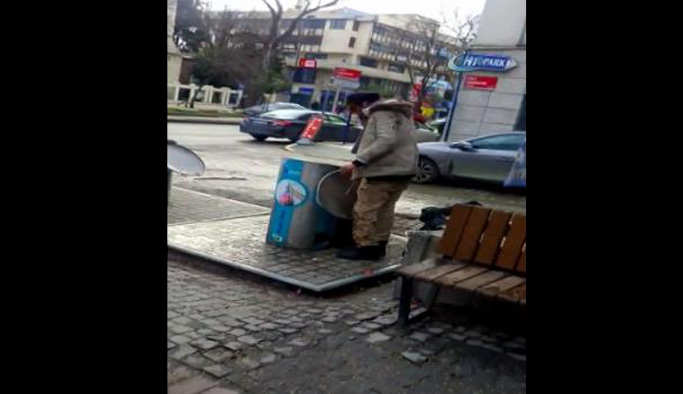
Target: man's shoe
361 253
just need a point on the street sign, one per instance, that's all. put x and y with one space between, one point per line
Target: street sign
346 73
312 127
307 63
480 82
481 62
344 83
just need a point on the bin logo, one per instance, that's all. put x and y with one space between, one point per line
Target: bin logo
290 193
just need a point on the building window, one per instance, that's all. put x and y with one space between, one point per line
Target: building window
316 56
304 75
356 25
397 68
352 42
339 24
368 62
313 24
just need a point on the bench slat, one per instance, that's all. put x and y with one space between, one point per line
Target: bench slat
441 270
493 234
515 294
521 264
494 288
480 280
514 239
460 275
412 269
454 229
469 241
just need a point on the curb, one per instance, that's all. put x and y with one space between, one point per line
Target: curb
201 119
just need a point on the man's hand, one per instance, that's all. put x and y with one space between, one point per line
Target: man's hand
347 169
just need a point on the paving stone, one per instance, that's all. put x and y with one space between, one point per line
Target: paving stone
229 321
182 351
351 322
458 337
195 361
238 332
474 342
460 329
171 315
491 347
385 320
220 390
204 344
205 331
249 363
288 330
248 340
284 350
520 357
218 355
299 342
253 328
283 321
435 330
360 330
170 345
473 333
220 328
377 337
366 315
371 326
268 358
216 337
193 335
217 370
180 339
325 331
177 329
182 320
330 319
269 326
419 336
178 373
193 385
234 346
414 357
489 339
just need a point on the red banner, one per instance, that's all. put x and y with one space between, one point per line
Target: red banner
346 73
313 125
479 82
307 63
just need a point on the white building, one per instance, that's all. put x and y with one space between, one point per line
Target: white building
173 57
479 111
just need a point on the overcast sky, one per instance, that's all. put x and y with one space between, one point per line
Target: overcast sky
430 8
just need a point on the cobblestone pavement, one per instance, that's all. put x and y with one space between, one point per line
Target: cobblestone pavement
229 332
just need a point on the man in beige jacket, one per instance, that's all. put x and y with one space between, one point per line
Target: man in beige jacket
386 161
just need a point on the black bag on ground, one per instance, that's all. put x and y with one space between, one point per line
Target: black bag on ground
435 218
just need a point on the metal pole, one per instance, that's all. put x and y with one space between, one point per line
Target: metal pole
336 97
346 128
451 114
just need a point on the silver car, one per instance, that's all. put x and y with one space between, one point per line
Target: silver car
487 158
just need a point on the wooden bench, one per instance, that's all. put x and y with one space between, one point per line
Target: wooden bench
484 253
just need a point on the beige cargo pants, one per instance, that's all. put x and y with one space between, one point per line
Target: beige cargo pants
373 213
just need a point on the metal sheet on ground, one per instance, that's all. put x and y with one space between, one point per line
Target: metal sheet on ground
240 243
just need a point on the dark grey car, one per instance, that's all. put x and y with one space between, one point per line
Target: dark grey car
487 158
290 123
268 107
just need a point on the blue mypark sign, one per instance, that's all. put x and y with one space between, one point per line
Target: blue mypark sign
481 62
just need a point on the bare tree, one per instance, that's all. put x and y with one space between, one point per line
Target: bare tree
436 48
274 38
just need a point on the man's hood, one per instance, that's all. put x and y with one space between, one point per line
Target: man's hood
404 107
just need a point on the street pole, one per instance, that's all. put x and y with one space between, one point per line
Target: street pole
336 97
454 102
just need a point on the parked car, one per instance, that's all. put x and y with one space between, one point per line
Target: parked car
424 133
268 107
289 123
487 158
438 124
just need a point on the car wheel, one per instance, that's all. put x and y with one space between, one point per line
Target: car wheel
259 137
427 171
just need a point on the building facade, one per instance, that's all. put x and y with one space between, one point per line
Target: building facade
481 111
379 46
173 57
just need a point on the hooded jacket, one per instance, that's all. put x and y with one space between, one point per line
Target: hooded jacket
387 146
